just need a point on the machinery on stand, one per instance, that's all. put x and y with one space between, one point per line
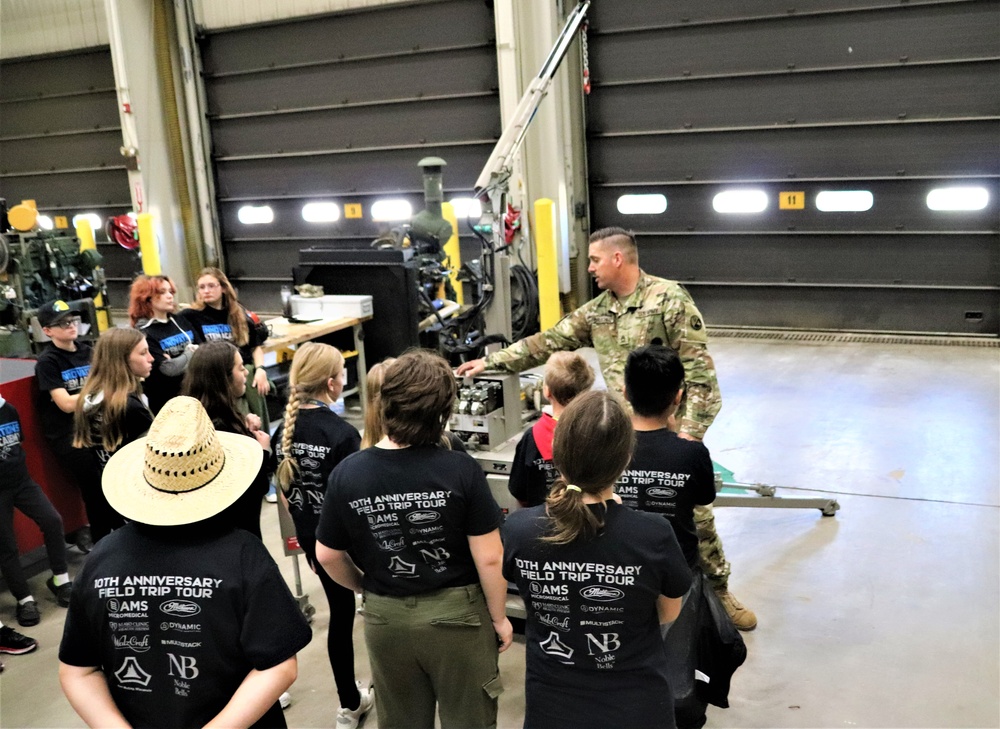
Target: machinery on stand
494 308
37 266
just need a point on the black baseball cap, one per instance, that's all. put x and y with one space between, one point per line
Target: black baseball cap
53 312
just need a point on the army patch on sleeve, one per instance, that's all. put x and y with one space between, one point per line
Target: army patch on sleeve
696 322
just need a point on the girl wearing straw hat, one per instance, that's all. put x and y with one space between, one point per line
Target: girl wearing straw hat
597 580
178 619
309 443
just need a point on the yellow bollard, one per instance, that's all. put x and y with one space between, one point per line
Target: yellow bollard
546 253
451 250
147 245
85 233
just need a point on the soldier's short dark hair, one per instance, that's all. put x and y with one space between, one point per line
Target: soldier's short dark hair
623 240
417 398
653 375
567 374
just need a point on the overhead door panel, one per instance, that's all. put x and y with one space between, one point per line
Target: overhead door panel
59 145
340 108
892 101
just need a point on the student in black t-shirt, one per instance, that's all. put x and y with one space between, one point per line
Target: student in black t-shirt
178 619
567 374
111 412
309 443
18 491
171 338
597 580
668 475
218 316
61 370
422 529
217 377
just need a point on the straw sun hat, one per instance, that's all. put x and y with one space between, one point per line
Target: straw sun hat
183 471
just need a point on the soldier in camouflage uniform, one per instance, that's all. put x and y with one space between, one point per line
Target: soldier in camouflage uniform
636 309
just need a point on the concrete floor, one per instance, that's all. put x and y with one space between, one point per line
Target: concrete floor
885 615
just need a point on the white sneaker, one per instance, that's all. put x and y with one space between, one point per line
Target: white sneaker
285 700
347 719
271 497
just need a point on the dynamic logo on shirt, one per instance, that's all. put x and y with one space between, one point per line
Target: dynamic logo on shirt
428 530
309 463
402 569
422 517
131 672
182 627
127 608
180 608
601 594
555 647
552 621
391 545
132 643
658 492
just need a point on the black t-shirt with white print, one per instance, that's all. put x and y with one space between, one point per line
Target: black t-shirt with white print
13 467
177 617
406 515
322 439
57 368
167 340
213 325
669 475
591 604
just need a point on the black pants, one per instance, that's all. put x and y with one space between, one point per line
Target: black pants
340 633
84 465
30 500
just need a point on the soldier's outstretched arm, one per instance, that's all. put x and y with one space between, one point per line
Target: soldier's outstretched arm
569 333
686 329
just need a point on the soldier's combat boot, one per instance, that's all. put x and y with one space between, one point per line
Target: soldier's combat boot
743 617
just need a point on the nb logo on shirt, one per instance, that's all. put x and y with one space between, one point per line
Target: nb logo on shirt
186 667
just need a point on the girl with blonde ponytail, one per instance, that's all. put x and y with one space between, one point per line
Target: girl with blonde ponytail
597 579
311 441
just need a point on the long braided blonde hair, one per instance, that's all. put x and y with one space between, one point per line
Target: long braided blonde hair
313 366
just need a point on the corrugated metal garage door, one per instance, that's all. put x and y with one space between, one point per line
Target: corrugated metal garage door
693 98
59 141
341 108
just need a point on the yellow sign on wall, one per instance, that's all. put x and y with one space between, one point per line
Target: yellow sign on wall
352 210
791 200
61 222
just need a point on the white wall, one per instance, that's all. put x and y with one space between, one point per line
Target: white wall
228 13
33 27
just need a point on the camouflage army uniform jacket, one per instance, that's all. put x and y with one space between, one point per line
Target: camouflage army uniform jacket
658 309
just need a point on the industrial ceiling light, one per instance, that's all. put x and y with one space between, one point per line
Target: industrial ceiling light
467 207
255 214
93 218
740 201
646 204
45 222
844 201
958 198
392 210
321 212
